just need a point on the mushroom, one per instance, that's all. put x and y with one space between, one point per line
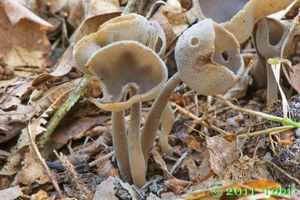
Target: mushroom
241 24
221 10
208 61
268 37
126 27
126 73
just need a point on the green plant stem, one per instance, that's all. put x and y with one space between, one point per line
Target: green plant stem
286 122
65 107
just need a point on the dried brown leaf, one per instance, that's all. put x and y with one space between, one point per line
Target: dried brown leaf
295 78
23 41
32 171
41 195
222 154
62 135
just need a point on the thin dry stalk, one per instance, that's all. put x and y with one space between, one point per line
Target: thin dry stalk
101 159
43 162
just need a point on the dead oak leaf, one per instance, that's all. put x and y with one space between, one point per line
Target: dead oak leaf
23 41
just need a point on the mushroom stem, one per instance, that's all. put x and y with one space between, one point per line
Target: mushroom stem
136 157
272 90
167 121
153 119
120 144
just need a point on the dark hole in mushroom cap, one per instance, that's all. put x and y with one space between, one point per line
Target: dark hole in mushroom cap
225 55
194 41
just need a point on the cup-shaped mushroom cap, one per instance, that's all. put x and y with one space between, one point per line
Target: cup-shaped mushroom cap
241 25
269 37
221 10
126 27
127 66
208 58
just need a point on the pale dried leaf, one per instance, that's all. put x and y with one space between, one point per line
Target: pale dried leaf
11 193
32 171
222 154
106 190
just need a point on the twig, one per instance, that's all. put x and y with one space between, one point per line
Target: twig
41 159
65 107
285 173
199 120
179 161
101 159
260 114
267 131
189 114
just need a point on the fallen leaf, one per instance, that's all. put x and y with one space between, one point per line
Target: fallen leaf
23 41
11 193
97 7
20 115
62 135
106 190
41 195
32 171
222 154
295 78
106 169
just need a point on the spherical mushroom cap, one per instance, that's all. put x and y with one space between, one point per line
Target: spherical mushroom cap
208 58
124 66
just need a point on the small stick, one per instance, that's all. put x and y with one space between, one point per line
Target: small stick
179 161
260 114
101 159
285 173
267 131
41 159
199 120
189 114
65 107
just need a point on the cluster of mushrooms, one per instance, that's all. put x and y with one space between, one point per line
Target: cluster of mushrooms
125 55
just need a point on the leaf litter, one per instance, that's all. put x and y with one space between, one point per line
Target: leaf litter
212 144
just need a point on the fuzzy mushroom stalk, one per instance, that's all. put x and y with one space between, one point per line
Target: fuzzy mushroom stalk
126 73
208 61
119 139
167 121
269 37
154 117
136 157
